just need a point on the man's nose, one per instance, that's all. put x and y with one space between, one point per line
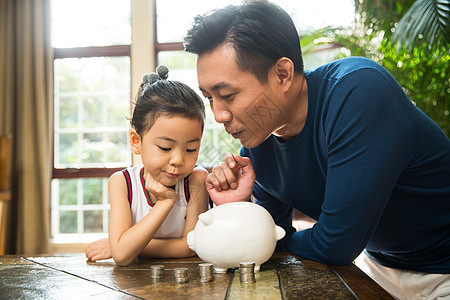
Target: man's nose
221 113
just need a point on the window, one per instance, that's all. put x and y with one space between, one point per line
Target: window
91 103
101 50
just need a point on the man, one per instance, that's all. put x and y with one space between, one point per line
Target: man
342 144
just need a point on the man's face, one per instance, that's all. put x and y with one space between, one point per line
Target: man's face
249 110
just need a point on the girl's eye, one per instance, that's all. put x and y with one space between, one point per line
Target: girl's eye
164 148
191 150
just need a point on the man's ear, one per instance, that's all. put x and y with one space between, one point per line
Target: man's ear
135 142
284 70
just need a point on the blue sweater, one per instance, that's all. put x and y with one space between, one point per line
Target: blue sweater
369 166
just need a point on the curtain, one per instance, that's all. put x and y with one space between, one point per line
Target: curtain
25 111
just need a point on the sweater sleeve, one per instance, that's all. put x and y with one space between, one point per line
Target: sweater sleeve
369 141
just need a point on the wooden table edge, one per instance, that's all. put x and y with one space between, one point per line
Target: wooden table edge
360 283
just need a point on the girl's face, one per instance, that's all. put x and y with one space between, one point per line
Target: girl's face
169 150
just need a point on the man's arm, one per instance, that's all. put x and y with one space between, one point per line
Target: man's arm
369 143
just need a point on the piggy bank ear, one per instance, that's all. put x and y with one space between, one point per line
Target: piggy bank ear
206 218
279 233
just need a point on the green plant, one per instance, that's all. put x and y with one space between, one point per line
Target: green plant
420 65
426 25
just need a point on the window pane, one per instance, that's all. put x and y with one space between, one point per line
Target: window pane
92 149
92 74
92 101
68 149
92 191
82 23
68 114
93 221
68 192
115 109
68 221
117 146
93 111
172 24
79 206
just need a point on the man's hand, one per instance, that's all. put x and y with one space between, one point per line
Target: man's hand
232 181
98 250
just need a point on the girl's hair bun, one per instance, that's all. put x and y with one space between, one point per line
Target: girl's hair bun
162 72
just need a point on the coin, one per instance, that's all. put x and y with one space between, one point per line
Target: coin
180 275
247 272
205 272
157 271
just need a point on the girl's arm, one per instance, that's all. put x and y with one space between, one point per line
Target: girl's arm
127 241
198 204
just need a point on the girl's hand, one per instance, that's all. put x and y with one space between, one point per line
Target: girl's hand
161 192
98 250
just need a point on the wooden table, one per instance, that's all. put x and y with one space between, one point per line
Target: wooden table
284 276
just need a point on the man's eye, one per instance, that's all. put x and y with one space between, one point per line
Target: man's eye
227 97
164 148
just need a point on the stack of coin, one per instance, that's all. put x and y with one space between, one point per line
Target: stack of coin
181 275
247 272
206 272
157 271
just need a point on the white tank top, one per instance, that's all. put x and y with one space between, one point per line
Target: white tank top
140 203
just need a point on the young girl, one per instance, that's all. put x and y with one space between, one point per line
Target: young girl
155 205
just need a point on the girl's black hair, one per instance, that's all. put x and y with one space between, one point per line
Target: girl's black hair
165 98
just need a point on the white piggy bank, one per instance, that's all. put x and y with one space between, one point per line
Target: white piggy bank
232 233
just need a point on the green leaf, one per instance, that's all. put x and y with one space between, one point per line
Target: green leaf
429 18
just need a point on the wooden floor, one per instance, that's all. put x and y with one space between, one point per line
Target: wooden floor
284 276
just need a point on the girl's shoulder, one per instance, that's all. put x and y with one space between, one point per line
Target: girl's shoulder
117 187
117 181
130 172
116 176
